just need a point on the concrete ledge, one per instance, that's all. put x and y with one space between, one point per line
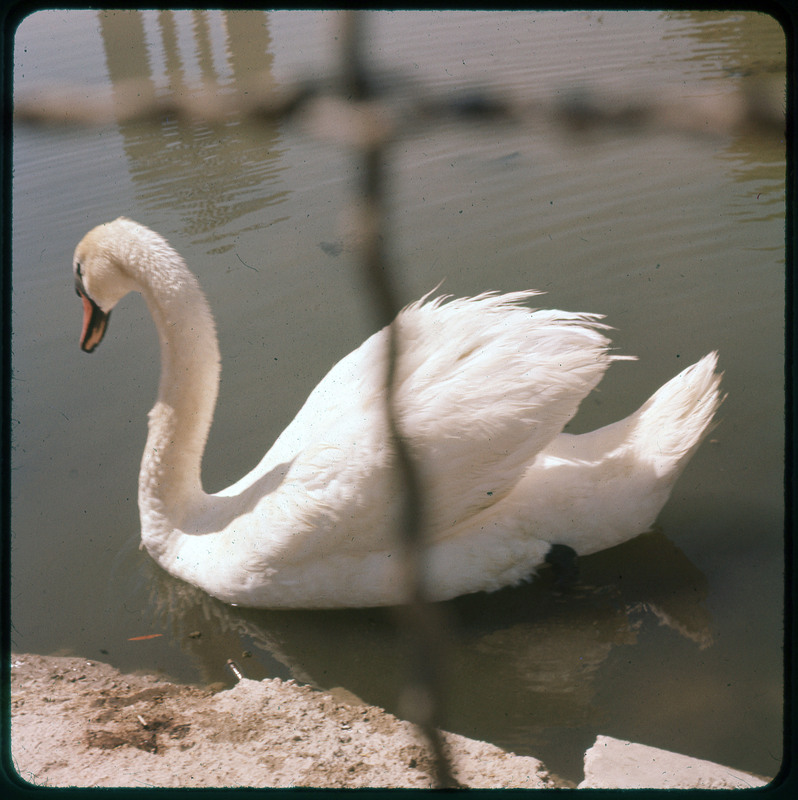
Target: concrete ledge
615 764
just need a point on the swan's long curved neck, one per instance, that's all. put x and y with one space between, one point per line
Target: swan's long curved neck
170 479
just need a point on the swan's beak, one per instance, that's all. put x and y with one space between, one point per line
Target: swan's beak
95 321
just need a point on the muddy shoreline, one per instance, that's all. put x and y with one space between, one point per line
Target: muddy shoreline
79 722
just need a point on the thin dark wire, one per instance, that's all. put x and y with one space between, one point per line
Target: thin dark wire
757 110
423 620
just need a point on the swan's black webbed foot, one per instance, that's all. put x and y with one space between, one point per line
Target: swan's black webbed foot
563 561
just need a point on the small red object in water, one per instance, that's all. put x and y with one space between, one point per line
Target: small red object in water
141 638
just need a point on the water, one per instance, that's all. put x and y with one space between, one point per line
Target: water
678 239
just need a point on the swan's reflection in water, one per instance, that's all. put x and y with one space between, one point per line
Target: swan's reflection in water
522 663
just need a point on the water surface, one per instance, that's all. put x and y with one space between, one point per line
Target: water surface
676 639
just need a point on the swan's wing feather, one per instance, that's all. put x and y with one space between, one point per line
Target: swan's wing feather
486 385
482 386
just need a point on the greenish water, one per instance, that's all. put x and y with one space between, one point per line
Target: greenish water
678 239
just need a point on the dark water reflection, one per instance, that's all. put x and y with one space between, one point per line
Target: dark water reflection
541 644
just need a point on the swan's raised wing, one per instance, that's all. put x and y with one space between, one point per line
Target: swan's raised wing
482 386
485 385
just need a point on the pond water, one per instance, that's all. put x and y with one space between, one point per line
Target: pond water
678 239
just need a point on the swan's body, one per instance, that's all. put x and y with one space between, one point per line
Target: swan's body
484 387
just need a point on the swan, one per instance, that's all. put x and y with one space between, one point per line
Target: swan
484 386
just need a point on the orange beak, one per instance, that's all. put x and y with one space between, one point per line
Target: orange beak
95 321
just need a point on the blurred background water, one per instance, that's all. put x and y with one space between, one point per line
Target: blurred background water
675 640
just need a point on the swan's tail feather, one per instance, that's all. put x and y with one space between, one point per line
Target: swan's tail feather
677 417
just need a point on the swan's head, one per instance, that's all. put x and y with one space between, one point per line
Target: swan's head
102 271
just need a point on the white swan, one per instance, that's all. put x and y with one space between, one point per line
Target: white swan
485 386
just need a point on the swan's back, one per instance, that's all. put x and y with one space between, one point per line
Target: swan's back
482 385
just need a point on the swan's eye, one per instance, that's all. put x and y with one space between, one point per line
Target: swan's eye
78 280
